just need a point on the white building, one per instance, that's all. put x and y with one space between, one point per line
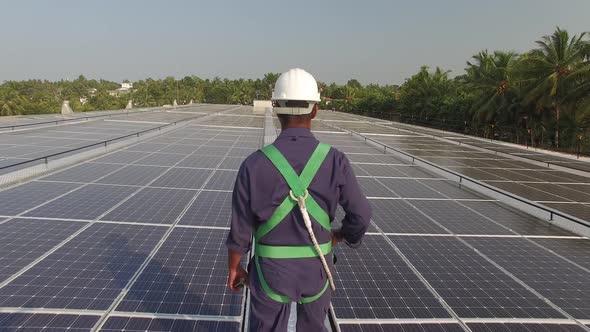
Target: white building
125 88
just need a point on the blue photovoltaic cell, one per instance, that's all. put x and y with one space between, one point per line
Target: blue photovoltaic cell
372 188
409 327
129 324
397 216
517 221
152 205
459 219
85 203
472 286
187 178
522 327
211 208
410 188
23 240
87 172
563 283
133 175
160 159
576 250
46 322
222 180
121 157
29 195
374 282
188 275
88 272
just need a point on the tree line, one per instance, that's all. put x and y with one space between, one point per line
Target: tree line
540 97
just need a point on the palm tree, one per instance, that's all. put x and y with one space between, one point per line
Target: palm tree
490 76
557 72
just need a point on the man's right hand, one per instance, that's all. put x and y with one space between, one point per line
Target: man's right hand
238 278
336 237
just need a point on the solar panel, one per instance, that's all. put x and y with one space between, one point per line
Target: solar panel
527 191
199 161
408 327
241 152
186 276
518 221
416 172
146 147
160 159
180 149
367 158
397 216
458 219
575 209
129 324
561 282
46 322
372 188
88 272
231 163
24 240
576 250
84 173
524 327
374 282
473 287
222 180
211 208
189 141
121 157
133 175
409 188
152 205
187 178
384 170
221 142
29 195
452 189
564 191
212 151
88 202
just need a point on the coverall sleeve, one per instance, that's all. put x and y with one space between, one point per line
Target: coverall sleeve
242 219
355 205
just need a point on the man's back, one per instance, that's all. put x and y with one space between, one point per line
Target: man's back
260 189
287 194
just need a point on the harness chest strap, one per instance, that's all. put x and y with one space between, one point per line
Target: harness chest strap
298 185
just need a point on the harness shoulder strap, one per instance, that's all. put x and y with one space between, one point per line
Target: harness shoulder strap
298 184
283 166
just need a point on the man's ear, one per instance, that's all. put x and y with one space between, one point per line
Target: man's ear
315 111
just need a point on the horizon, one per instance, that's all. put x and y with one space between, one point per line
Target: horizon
378 42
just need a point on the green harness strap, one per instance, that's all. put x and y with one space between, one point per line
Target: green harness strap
299 185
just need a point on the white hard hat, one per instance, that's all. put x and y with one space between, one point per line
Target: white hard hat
296 92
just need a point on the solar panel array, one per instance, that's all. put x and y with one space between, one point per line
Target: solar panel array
559 189
27 144
440 257
134 241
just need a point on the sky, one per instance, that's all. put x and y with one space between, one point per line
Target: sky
382 42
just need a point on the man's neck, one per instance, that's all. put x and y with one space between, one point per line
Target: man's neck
297 125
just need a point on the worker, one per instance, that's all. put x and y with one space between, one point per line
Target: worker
294 182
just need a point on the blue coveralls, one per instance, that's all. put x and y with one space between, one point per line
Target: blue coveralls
258 191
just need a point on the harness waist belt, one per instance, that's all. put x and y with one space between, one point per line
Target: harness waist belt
268 251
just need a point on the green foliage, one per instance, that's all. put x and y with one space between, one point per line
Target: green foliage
542 96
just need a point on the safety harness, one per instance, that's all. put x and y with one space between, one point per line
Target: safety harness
297 196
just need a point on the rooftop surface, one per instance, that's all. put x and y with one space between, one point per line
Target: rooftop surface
132 239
